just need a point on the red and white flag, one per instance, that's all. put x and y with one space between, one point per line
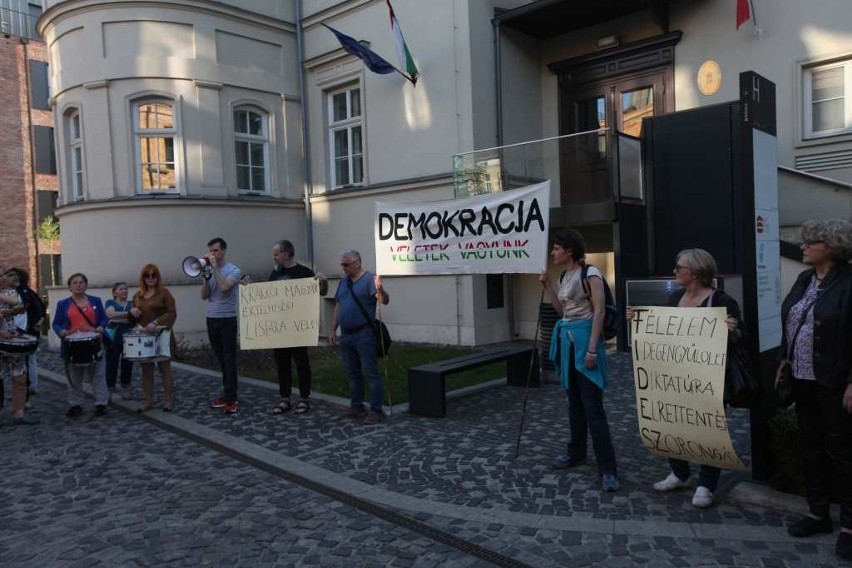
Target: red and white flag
743 12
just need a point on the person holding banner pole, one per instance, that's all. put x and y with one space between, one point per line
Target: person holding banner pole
695 270
286 268
579 354
816 358
356 297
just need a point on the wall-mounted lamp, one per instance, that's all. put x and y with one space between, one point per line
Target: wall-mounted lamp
608 41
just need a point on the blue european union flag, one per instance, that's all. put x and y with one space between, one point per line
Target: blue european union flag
371 59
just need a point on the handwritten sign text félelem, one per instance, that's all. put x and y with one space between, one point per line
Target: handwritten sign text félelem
679 357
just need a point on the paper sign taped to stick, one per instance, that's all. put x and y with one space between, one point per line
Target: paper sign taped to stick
283 313
679 357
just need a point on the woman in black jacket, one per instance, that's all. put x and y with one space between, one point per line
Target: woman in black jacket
816 350
695 270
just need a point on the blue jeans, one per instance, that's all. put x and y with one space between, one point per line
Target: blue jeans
586 413
222 333
358 351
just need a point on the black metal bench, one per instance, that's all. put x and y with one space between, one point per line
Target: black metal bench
427 385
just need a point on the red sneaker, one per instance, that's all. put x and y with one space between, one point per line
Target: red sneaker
218 403
231 408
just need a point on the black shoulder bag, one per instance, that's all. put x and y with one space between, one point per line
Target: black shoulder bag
741 388
383 338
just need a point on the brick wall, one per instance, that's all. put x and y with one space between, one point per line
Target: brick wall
18 244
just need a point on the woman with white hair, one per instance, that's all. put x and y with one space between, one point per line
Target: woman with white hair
816 354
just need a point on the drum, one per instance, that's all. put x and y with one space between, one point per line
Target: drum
82 347
19 346
140 346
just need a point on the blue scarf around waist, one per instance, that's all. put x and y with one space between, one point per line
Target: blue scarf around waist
574 335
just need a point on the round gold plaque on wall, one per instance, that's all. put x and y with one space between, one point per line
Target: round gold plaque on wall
709 77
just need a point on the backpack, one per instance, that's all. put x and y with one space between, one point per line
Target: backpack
610 322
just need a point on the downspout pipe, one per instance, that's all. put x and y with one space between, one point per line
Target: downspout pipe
498 93
307 183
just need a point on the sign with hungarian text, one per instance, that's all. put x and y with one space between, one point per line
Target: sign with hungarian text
281 313
495 233
679 358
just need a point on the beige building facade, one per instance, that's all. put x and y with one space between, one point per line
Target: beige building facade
246 120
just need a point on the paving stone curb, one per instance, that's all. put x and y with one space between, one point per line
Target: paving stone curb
579 522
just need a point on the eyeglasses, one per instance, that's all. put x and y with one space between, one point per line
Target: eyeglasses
680 267
152 275
346 264
812 242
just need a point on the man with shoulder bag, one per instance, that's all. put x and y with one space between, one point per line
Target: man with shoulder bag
354 307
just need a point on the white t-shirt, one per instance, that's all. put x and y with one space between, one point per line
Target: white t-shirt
572 295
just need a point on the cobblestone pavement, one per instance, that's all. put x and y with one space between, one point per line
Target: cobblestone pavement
456 474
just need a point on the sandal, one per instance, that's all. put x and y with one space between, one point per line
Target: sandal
283 406
302 407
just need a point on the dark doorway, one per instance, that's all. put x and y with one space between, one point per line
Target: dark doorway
614 89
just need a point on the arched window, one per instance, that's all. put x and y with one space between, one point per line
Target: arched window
251 147
155 133
75 154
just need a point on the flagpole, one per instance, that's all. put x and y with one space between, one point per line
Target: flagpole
753 14
404 75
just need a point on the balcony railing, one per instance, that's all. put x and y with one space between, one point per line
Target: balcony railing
580 167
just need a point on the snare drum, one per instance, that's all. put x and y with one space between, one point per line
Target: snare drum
140 346
19 346
82 347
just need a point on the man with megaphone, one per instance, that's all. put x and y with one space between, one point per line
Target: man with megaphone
219 288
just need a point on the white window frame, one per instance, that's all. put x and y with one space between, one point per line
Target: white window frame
76 160
139 132
348 124
248 138
807 100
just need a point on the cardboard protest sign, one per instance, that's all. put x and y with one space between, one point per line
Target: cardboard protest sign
495 233
283 313
679 357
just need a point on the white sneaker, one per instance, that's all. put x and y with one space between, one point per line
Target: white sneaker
671 483
703 498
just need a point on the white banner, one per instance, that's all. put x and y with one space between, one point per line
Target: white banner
486 234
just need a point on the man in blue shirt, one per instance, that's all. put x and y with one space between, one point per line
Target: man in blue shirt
358 345
219 289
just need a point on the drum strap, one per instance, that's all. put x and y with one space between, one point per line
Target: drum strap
82 313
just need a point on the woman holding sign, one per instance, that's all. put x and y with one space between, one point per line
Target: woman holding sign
578 351
694 271
816 351
154 310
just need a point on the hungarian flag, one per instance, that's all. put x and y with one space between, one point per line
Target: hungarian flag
371 59
402 53
743 12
